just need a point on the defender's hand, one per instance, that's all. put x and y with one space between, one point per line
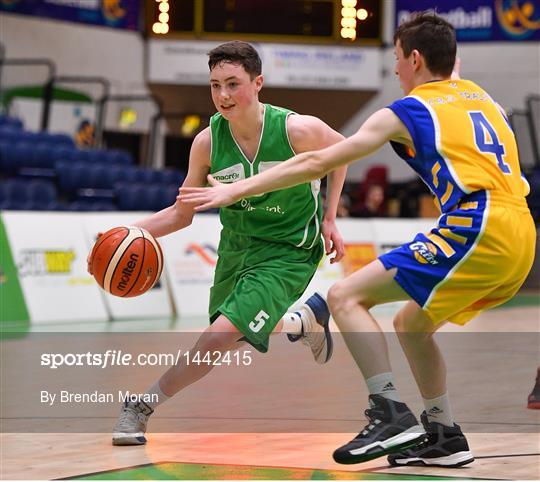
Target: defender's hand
203 198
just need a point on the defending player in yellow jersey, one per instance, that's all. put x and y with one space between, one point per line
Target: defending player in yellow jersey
457 139
465 151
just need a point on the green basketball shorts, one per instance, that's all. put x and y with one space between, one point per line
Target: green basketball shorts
256 282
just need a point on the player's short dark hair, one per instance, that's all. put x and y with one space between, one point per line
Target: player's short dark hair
433 37
236 52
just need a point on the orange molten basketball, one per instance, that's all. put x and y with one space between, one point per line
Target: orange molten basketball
126 261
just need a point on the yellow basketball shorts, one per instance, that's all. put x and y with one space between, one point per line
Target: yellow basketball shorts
476 258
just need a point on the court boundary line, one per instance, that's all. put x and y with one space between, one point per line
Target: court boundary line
369 471
508 455
247 419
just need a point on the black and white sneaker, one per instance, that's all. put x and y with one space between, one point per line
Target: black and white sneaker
315 317
391 428
131 424
442 447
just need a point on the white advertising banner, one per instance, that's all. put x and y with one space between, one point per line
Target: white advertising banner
155 303
185 62
49 251
359 251
321 67
391 233
190 261
191 254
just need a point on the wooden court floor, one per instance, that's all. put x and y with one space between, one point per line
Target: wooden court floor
503 450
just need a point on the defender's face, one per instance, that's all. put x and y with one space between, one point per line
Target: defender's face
232 89
404 69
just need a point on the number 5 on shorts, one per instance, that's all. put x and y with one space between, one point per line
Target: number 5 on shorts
260 320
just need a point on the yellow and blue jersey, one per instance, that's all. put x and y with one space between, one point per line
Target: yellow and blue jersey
483 246
463 142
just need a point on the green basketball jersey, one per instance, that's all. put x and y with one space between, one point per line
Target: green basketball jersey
291 215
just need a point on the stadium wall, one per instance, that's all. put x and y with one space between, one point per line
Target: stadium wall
509 72
76 49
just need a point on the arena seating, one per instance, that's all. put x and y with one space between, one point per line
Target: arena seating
42 171
6 121
18 194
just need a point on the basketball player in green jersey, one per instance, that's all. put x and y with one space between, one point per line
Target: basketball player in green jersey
270 245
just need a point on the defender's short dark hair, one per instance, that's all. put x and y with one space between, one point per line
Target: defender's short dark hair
236 52
433 37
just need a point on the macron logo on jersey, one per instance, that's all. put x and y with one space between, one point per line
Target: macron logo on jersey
230 174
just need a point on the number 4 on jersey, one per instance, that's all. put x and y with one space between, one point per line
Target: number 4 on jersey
481 126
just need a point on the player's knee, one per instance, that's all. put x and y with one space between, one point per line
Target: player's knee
335 297
400 324
403 325
409 329
338 299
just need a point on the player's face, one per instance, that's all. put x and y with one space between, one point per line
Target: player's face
404 69
233 91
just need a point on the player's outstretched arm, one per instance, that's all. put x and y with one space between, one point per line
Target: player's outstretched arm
180 215
381 127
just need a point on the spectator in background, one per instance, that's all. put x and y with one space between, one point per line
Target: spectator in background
370 199
85 135
373 205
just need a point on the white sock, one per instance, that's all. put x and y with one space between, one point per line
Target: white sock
438 410
292 323
383 384
156 392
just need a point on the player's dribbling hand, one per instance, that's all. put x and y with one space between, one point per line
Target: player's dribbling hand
203 198
333 242
89 257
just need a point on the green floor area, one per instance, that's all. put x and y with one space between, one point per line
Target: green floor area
179 471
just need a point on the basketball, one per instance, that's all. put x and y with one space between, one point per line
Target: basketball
126 261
